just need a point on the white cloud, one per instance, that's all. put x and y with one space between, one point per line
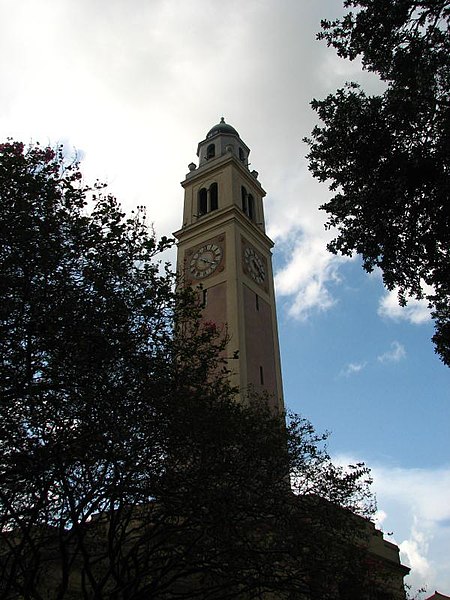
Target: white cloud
416 311
395 354
414 512
353 368
415 550
297 227
310 268
416 507
137 90
379 518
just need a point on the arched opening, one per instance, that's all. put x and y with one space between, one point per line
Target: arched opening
251 207
211 151
241 155
213 196
208 199
244 199
202 201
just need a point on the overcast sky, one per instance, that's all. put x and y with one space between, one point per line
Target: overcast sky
133 86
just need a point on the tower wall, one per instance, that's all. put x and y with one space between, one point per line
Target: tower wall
224 252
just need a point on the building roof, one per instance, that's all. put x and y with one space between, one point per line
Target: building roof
438 596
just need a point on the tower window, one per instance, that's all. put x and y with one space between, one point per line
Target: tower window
204 298
248 203
208 200
241 155
261 375
251 207
202 201
210 151
257 301
213 196
244 199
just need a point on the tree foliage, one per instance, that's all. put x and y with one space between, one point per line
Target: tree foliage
127 468
387 156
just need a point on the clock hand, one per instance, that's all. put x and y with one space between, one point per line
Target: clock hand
259 269
211 262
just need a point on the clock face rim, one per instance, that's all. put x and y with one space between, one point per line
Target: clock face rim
215 255
255 265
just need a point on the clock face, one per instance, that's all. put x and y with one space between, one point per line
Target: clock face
205 261
255 265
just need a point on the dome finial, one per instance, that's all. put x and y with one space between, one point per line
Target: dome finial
222 128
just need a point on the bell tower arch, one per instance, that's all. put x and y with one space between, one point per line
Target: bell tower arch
223 246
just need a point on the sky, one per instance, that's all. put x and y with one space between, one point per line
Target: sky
132 86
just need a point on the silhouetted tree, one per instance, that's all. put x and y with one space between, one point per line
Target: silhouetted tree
127 468
387 156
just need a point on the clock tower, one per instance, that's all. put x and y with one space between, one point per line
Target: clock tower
223 249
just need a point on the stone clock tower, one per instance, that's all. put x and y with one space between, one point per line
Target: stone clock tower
223 246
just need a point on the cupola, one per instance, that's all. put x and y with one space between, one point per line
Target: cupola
220 140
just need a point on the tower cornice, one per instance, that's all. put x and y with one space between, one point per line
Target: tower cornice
211 222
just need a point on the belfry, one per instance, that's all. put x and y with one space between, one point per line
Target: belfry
223 249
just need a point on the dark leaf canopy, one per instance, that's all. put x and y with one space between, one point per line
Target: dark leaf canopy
387 156
127 468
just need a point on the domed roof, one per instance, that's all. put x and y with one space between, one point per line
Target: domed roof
222 127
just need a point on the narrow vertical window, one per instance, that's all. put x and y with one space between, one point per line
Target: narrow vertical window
244 196
257 301
251 207
261 375
241 155
213 196
211 151
204 298
202 202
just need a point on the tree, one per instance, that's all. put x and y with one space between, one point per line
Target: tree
386 156
127 468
